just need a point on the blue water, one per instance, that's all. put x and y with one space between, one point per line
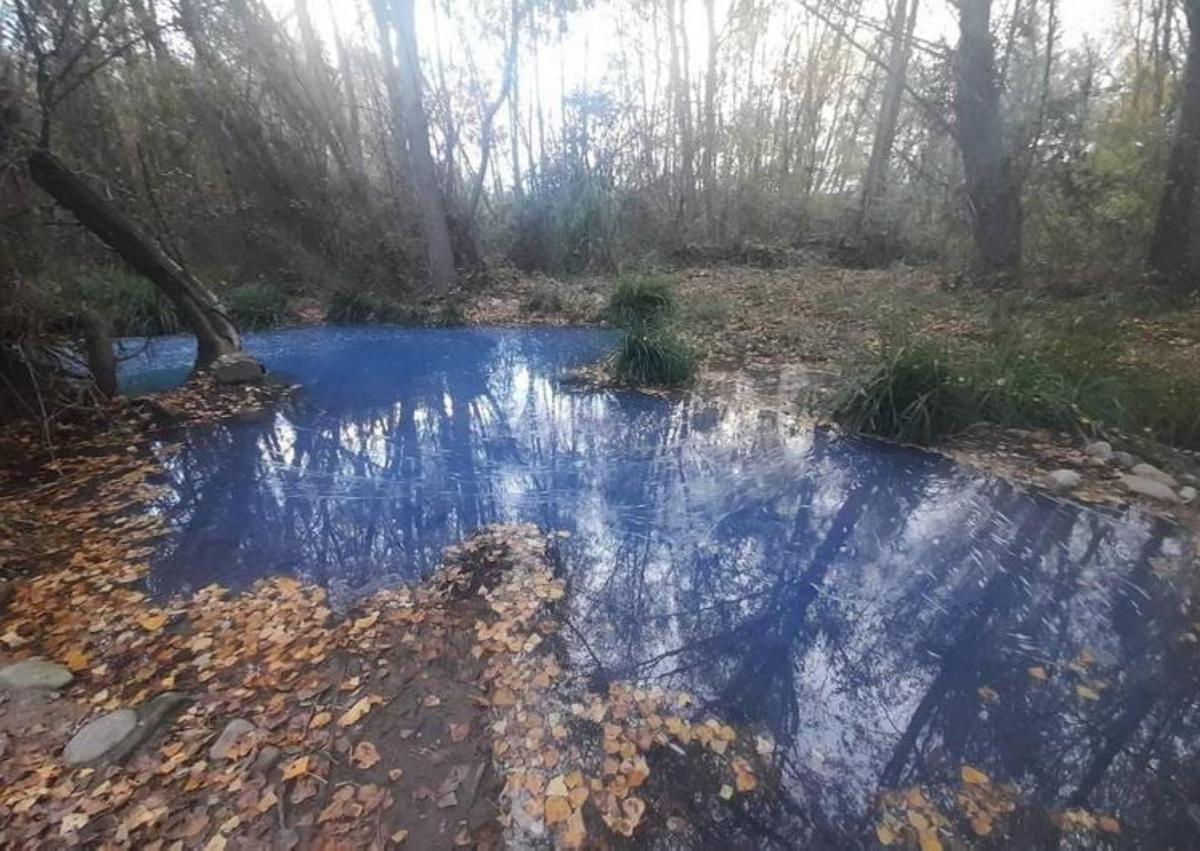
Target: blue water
848 597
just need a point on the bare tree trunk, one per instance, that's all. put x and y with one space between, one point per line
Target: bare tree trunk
403 69
195 305
1170 252
709 163
904 20
991 183
101 361
683 116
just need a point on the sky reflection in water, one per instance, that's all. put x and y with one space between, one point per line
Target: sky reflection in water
849 597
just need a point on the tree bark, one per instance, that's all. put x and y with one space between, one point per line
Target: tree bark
1170 248
991 182
404 76
904 21
101 361
195 305
709 163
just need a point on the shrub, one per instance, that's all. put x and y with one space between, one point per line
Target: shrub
642 301
131 303
349 308
257 306
654 356
543 299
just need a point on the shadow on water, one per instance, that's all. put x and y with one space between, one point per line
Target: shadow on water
849 598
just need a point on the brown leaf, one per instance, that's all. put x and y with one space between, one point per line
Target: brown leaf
558 809
296 768
365 755
974 777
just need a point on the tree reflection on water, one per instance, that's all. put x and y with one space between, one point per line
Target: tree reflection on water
848 598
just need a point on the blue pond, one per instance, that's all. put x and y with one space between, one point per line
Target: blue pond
852 599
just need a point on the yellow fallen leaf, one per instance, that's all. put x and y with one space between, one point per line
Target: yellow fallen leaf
152 622
574 834
974 777
1109 824
76 661
558 809
355 713
320 720
295 768
399 836
930 842
1086 693
885 835
726 792
1038 673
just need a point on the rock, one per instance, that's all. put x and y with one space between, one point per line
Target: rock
151 717
233 731
238 368
1188 495
1101 450
35 673
1127 460
1149 487
1149 471
266 759
100 737
1063 481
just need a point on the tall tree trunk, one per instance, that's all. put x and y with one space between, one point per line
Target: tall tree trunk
404 76
992 187
1170 248
709 163
195 305
683 115
904 20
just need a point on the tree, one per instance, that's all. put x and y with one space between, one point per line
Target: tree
1172 240
60 72
903 22
396 18
993 191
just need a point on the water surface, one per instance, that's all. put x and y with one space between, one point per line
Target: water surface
850 598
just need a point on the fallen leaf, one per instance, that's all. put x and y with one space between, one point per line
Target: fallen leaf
321 719
1086 693
399 836
1109 824
974 777
355 713
1038 673
365 755
558 809
726 792
76 661
152 622
885 835
295 768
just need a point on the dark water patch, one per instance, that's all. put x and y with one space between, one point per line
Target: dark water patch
861 603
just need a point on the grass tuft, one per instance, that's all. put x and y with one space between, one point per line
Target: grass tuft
131 303
642 301
655 356
257 306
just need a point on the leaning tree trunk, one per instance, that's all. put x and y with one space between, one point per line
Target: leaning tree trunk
1170 247
196 306
992 187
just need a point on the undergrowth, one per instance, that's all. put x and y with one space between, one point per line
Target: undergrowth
133 306
257 306
345 307
1021 375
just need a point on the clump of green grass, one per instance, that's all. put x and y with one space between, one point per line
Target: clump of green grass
655 356
652 352
346 307
256 306
132 304
1022 375
642 300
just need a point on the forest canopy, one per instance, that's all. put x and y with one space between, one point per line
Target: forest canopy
290 149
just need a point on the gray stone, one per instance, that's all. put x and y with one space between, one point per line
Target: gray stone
1187 495
35 673
266 759
1126 459
236 368
1101 450
1149 487
233 731
1149 471
1063 481
100 737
